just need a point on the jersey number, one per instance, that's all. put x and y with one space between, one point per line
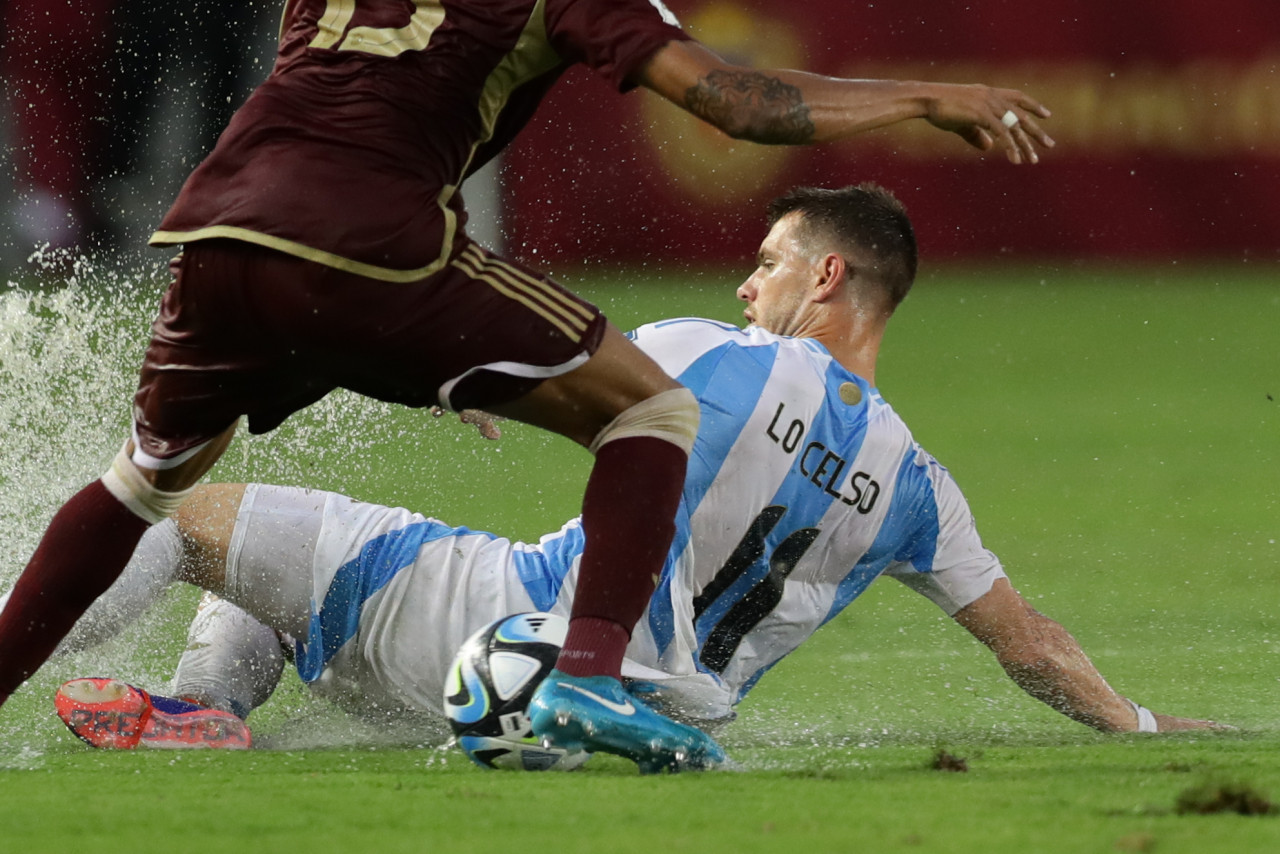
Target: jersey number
761 599
383 41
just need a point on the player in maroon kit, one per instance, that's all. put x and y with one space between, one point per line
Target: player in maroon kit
324 246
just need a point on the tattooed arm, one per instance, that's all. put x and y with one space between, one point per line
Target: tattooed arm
779 107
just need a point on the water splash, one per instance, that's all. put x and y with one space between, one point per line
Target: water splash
65 342
72 337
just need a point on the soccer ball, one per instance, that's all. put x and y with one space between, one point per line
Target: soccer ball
490 683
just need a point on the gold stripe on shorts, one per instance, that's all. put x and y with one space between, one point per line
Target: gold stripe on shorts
538 296
516 276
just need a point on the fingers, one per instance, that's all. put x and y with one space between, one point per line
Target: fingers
483 421
978 137
1016 128
985 118
489 430
1026 137
1172 723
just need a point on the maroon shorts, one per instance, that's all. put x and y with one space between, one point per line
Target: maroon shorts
248 331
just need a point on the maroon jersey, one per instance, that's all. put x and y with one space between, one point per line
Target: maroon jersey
352 151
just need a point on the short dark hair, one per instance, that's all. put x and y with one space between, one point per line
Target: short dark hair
865 218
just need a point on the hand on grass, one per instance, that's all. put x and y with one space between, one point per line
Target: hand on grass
1170 723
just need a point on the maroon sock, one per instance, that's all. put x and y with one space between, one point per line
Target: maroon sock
84 549
628 517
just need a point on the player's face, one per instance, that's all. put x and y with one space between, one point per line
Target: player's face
777 293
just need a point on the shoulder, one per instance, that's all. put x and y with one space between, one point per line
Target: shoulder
614 37
680 343
706 333
683 340
684 328
620 10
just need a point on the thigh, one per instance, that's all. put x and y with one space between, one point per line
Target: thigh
273 554
481 332
218 351
582 402
247 331
394 596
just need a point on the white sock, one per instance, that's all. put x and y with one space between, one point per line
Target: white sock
232 662
144 579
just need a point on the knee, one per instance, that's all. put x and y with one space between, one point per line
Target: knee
670 415
132 489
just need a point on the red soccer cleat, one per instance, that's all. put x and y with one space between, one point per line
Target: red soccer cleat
113 715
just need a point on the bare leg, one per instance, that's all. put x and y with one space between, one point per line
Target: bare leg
584 401
207 521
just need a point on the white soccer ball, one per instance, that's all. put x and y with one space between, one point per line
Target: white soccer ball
490 683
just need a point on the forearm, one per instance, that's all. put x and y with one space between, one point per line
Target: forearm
784 107
1045 661
841 108
793 107
1053 669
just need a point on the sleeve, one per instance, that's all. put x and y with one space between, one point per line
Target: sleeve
946 561
612 37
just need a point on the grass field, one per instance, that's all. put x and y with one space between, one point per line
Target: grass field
1116 430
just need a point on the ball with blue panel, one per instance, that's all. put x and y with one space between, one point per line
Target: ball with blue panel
490 683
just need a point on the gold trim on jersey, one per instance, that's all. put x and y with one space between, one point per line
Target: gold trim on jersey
539 296
298 250
385 41
333 23
380 41
531 56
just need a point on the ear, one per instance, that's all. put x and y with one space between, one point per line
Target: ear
832 274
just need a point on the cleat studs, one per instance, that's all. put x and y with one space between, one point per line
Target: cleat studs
588 728
681 755
546 743
562 718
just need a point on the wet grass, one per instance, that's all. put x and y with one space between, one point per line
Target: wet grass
1116 432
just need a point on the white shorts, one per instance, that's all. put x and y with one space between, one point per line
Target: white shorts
378 599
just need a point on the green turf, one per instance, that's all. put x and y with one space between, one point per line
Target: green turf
1115 430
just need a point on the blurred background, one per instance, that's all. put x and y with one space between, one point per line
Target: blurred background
110 103
1167 115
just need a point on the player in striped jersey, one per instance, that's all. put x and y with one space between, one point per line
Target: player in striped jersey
804 486
324 246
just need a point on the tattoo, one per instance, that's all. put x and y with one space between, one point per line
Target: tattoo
751 105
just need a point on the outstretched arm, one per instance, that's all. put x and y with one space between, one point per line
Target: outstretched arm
1047 662
792 107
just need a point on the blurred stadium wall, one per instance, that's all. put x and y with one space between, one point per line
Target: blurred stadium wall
1166 114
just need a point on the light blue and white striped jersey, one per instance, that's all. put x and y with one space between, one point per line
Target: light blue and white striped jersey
803 486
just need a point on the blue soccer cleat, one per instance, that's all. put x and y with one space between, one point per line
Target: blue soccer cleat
596 714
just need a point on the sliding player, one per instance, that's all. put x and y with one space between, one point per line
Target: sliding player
804 486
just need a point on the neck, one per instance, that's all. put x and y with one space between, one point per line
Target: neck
854 341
